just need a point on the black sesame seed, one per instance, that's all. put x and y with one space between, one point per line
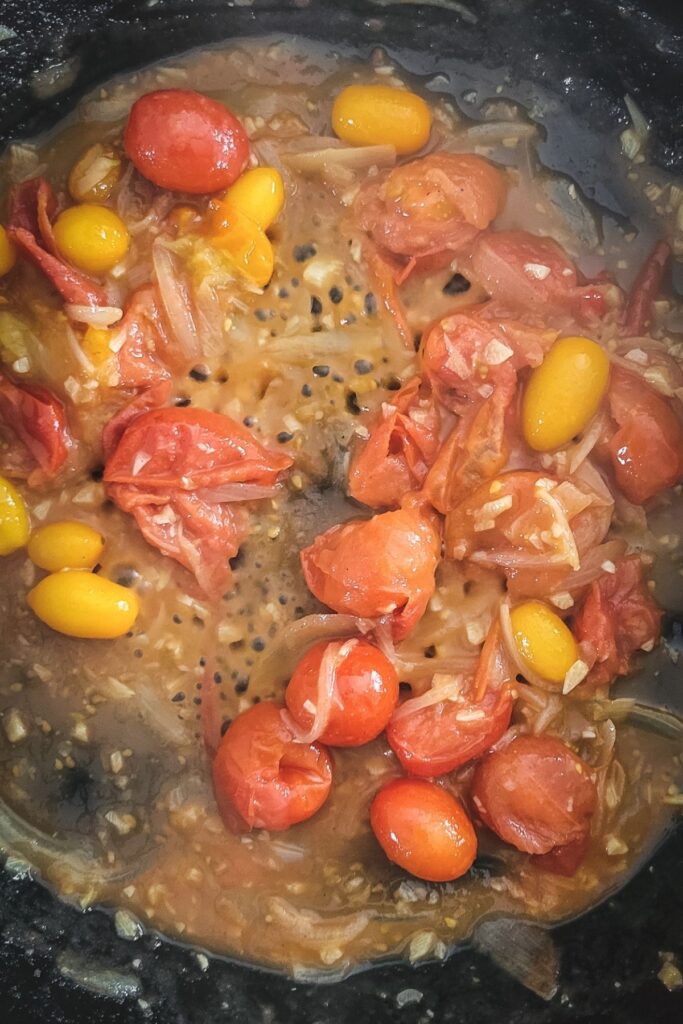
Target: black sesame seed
225 726
337 378
241 686
200 373
392 384
261 314
283 293
197 700
178 697
304 252
97 568
284 436
248 421
97 473
363 366
258 644
307 391
316 305
126 577
370 304
202 662
181 402
177 620
283 599
320 370
456 285
295 282
430 652
217 678
336 295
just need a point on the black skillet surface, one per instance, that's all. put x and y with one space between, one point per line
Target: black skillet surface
586 54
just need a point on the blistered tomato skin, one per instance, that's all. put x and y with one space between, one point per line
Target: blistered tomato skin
92 237
379 115
83 604
65 545
8 252
14 519
423 829
564 393
185 142
259 194
544 642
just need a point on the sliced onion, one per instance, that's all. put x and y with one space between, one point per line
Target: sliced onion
176 301
311 929
591 566
317 161
335 653
443 691
96 316
239 492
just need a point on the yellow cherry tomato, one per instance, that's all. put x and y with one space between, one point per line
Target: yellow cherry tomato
259 194
95 344
14 521
8 252
244 243
564 393
95 174
545 644
84 604
379 115
65 545
93 238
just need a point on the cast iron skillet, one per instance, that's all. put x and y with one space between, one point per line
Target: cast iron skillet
587 54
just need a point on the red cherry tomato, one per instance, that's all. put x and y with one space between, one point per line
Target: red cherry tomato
34 436
423 829
535 794
647 448
439 737
263 777
617 617
377 568
186 142
364 696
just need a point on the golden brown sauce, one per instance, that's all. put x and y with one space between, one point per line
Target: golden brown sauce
101 748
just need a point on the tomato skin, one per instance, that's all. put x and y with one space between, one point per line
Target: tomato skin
33 423
403 443
423 829
178 460
535 794
437 202
186 142
647 447
366 691
645 290
618 616
381 567
506 262
263 777
439 738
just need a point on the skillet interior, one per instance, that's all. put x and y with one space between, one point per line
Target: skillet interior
610 957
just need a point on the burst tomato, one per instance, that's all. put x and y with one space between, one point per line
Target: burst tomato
34 431
263 777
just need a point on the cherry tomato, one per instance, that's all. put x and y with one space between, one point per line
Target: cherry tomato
437 202
535 794
647 448
170 470
34 431
186 142
524 271
377 568
617 618
142 342
402 445
435 739
423 829
263 777
364 696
